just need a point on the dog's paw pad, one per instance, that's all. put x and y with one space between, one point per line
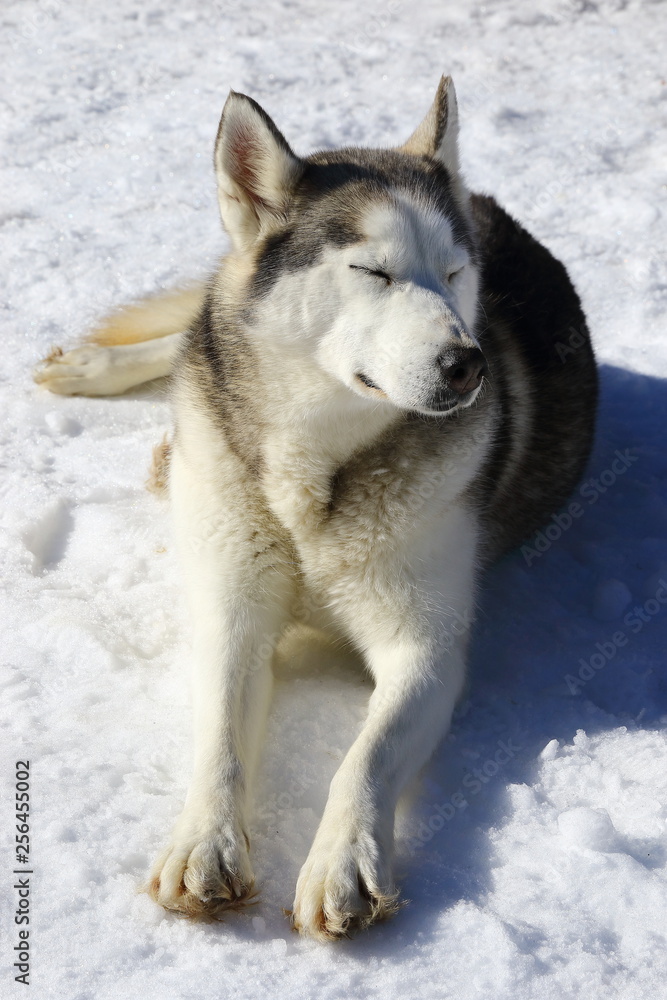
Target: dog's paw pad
334 898
81 371
202 879
331 920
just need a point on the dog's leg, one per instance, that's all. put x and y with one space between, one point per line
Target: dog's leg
132 345
417 655
95 370
239 586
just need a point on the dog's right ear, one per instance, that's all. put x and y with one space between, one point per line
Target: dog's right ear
255 169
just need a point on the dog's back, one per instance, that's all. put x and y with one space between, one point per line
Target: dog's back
539 351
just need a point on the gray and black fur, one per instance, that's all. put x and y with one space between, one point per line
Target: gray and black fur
529 309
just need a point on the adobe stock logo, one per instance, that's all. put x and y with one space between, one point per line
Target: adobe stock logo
590 491
473 783
605 651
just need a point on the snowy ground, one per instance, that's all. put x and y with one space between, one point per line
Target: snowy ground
550 883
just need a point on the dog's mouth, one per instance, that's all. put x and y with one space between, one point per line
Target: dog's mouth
442 406
445 401
442 402
369 384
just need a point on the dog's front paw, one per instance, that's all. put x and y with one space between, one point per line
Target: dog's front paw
346 884
201 875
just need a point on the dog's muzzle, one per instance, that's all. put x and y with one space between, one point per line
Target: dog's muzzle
462 371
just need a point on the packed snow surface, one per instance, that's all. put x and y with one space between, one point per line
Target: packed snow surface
550 881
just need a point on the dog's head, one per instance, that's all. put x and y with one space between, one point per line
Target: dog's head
363 258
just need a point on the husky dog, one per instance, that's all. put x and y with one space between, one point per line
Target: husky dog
374 399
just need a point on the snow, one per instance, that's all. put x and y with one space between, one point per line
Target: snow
549 880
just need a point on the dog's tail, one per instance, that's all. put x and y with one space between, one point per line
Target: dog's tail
130 346
153 317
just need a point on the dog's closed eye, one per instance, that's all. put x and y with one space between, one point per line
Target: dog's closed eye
375 273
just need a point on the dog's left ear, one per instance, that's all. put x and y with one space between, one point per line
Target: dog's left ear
255 169
437 136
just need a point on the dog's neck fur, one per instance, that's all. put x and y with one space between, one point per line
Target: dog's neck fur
307 447
311 425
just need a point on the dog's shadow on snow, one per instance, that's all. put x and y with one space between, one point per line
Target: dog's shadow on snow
569 637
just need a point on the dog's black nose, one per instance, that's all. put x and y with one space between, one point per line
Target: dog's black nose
464 369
